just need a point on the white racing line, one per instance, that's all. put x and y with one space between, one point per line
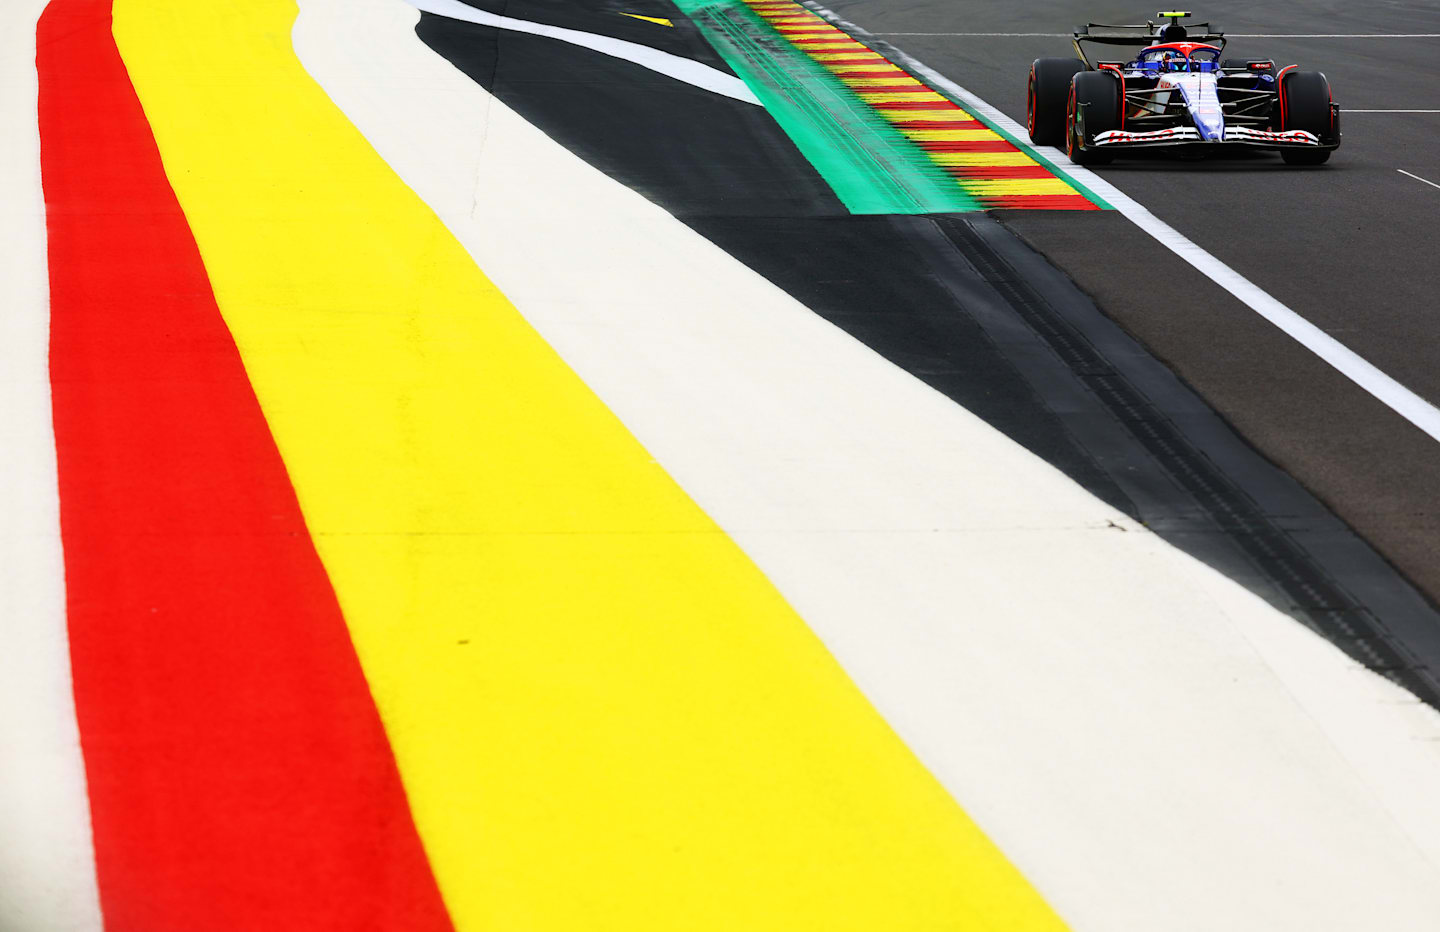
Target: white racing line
1418 178
674 66
47 870
1379 385
1152 745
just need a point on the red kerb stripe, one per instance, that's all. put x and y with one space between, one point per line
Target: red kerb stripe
891 89
238 772
916 104
977 145
1038 202
934 124
982 172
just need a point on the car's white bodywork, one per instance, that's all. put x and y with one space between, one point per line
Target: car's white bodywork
1198 91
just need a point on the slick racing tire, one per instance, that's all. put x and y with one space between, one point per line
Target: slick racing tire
1304 103
1046 97
1096 94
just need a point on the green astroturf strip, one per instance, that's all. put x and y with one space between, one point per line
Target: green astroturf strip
1024 145
869 164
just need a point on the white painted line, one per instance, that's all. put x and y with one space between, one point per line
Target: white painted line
1333 35
674 66
1387 390
1135 731
1228 35
984 35
47 869
1417 178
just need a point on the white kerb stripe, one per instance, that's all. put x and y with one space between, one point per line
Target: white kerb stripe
675 66
47 868
1136 731
1387 390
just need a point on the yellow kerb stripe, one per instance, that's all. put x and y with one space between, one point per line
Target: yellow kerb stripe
975 159
949 135
901 97
1002 186
605 717
899 81
868 69
866 55
930 116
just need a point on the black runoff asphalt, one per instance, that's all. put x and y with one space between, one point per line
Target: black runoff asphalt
967 307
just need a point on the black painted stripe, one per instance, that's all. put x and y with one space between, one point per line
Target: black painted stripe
686 149
964 306
606 18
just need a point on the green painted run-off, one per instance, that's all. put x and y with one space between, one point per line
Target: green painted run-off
869 164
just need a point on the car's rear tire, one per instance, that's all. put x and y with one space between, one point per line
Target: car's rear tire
1097 93
1046 97
1304 103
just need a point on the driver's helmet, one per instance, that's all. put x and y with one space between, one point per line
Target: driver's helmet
1205 58
1159 60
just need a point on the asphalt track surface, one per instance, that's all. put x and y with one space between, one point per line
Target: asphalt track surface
967 308
682 603
1350 246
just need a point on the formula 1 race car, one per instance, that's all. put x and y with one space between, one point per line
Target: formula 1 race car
1176 91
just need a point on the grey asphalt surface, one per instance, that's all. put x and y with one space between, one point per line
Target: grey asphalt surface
1353 246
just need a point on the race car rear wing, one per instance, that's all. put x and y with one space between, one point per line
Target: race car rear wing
1141 35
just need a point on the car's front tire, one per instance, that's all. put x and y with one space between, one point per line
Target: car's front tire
1304 103
1046 97
1097 94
